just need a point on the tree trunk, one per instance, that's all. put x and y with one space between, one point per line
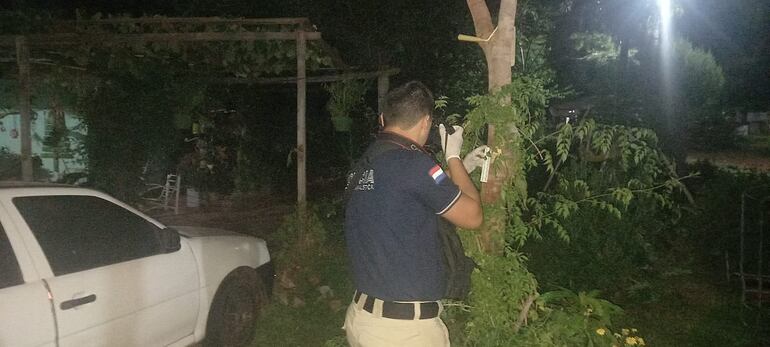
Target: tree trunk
500 53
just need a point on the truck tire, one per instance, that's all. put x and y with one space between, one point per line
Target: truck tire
235 309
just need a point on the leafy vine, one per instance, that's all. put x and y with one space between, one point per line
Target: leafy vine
555 173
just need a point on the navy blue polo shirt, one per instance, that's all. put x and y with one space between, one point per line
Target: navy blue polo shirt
391 226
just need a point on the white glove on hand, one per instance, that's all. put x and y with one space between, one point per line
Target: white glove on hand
475 158
451 144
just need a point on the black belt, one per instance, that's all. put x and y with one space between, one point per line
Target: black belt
399 310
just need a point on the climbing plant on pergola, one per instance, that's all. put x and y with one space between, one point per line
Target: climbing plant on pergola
217 50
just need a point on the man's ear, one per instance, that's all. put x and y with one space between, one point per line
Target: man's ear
427 121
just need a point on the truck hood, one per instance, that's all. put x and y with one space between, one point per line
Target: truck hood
225 246
190 231
218 252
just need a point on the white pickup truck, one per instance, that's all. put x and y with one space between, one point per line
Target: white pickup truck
80 268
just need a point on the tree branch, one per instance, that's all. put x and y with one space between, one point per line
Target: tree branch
599 196
482 20
506 24
524 313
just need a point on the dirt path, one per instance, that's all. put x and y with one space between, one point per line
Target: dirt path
738 159
258 219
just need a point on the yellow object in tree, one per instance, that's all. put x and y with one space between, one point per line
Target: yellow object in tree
468 38
601 331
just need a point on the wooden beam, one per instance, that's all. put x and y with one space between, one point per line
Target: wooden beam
190 20
271 80
25 109
383 85
301 109
314 79
50 40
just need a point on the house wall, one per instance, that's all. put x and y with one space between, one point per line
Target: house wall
13 145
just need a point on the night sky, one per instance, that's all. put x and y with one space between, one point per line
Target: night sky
376 32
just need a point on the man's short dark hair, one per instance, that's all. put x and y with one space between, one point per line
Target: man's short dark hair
407 104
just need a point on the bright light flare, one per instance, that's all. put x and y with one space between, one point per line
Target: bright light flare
666 50
666 16
666 35
664 6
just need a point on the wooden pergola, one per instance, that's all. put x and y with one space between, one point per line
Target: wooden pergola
68 34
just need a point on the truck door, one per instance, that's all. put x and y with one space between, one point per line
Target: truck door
26 318
111 284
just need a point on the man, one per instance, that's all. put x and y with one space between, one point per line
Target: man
391 226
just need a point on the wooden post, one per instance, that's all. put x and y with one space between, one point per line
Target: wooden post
25 109
383 84
742 249
59 127
301 108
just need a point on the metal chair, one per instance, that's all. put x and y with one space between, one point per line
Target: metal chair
167 197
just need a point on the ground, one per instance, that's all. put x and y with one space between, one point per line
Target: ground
738 159
693 306
257 216
696 308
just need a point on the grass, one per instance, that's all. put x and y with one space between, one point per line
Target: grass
685 309
315 322
697 309
683 301
311 325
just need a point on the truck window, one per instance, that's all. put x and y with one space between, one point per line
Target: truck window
10 274
79 233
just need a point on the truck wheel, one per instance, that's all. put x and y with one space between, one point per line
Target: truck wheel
235 310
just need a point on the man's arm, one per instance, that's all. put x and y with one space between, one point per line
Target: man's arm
466 212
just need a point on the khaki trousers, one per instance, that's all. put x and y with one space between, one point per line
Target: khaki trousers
364 329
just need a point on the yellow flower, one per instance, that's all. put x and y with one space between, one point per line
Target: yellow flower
633 330
601 331
616 335
624 331
640 340
631 341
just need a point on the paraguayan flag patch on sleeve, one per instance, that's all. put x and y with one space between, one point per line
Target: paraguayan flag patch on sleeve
437 174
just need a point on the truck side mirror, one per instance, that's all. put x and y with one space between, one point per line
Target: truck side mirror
170 241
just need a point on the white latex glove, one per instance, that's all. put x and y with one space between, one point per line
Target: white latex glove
475 158
451 144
